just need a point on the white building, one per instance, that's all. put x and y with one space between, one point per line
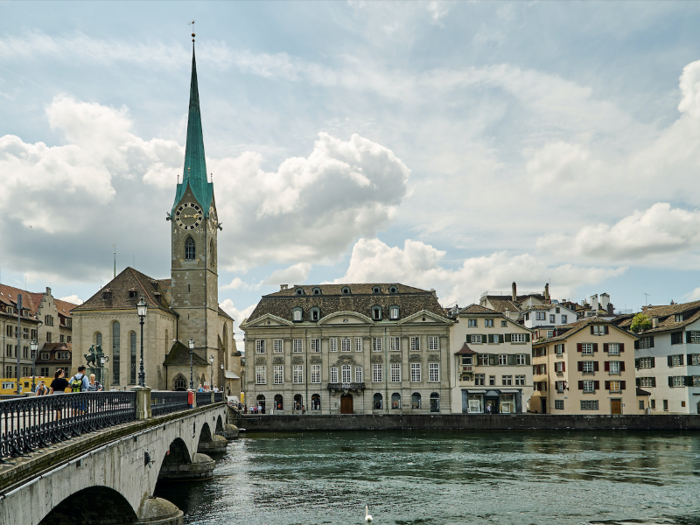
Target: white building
544 318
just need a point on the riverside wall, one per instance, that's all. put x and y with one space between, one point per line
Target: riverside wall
476 422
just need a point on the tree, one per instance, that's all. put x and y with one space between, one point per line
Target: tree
640 322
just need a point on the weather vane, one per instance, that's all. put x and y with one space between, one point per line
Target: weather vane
191 24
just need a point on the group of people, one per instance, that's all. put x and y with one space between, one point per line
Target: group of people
77 383
254 409
206 389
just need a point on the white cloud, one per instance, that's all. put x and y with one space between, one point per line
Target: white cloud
419 264
690 89
557 165
73 299
648 236
295 274
438 10
238 317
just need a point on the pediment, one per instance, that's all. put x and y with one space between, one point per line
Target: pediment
346 318
425 317
266 320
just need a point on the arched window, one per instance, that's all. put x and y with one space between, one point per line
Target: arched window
299 291
435 402
115 352
376 289
132 347
316 402
393 289
345 290
378 402
395 401
393 312
98 339
377 313
279 402
316 291
315 314
179 383
190 251
415 401
261 401
296 314
298 402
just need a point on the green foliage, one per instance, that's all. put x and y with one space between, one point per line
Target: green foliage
640 322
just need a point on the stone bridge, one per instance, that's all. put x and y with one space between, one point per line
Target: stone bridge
108 477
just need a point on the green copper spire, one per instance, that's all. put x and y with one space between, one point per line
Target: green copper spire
195 169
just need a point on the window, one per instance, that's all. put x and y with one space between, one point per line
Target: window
552 319
358 344
334 374
479 379
48 337
315 402
345 371
507 380
677 338
475 338
645 362
298 374
315 314
376 344
315 373
550 333
679 318
646 342
665 405
563 320
395 401
614 367
358 374
276 346
587 348
433 343
394 312
315 346
641 404
589 405
296 314
676 381
259 346
653 404
377 373
588 367
540 316
415 401
588 386
393 289
395 344
316 291
415 343
675 360
692 337
345 344
647 382
504 324
278 374
415 373
333 344
434 372
502 359
44 372
518 338
132 344
613 349
299 291
492 380
599 329
378 402
557 309
520 380
559 367
483 359
297 346
472 323
377 313
559 404
488 323
521 359
115 352
260 375
345 290
615 386
189 249
395 372
376 289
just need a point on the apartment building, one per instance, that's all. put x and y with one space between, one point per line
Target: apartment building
544 318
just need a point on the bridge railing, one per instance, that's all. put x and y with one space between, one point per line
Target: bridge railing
218 397
35 422
203 398
165 402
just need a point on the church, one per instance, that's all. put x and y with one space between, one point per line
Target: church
181 311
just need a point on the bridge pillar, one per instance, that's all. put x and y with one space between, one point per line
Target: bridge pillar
143 402
230 432
217 445
158 511
201 468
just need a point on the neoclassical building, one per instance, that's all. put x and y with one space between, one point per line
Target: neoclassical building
182 308
348 349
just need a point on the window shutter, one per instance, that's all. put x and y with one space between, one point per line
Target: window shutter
544 369
607 385
652 341
511 359
492 359
580 366
688 380
623 385
527 338
596 366
562 348
636 363
670 360
580 385
579 347
607 330
690 358
596 385
653 382
637 381
605 347
607 366
507 337
622 347
636 344
501 339
563 366
687 337
681 357
670 380
622 366
527 359
595 347
653 362
591 329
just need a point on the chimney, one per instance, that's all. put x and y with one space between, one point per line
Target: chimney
432 291
546 292
655 322
283 287
604 301
594 303
515 292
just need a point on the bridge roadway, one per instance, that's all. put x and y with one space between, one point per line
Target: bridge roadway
108 476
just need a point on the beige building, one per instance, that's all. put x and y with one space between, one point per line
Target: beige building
348 349
492 371
586 368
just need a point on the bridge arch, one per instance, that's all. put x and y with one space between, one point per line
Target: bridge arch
219 426
205 435
77 508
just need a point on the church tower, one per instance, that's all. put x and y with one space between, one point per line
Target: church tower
194 228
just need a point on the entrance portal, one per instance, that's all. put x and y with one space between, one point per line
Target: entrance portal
543 405
346 404
616 407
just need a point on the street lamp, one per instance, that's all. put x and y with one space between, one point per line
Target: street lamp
141 309
211 381
191 343
34 346
222 379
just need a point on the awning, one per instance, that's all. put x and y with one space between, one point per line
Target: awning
465 350
492 393
474 391
511 391
230 375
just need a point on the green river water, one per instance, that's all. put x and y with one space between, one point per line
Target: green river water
445 478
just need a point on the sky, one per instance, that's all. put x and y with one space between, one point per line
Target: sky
455 146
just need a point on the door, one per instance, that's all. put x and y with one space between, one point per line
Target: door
616 407
543 405
346 404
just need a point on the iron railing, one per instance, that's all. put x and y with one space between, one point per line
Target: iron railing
218 397
35 422
203 398
165 402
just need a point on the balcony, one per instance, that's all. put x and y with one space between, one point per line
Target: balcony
345 387
467 368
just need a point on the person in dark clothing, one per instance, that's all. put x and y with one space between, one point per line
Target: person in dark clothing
58 386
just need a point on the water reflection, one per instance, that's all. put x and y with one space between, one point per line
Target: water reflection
449 478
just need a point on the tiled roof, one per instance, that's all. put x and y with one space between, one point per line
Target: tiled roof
8 294
410 300
666 315
150 289
465 350
478 309
64 307
571 329
180 355
502 304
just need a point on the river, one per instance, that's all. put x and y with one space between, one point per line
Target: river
445 478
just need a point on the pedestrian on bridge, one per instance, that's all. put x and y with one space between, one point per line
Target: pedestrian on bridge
58 386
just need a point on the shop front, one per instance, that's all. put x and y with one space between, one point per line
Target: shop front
492 401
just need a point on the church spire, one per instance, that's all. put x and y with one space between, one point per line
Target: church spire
195 168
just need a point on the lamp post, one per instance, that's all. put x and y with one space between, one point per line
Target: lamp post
34 346
191 344
141 310
222 379
211 381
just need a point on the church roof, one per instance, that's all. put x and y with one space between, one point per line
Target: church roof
180 355
195 169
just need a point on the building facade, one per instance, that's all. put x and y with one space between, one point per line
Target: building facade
492 371
348 349
586 368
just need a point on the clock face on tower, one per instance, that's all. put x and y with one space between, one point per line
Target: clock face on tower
213 220
188 216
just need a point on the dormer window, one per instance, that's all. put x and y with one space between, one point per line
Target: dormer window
679 318
393 289
315 314
296 315
132 293
316 291
376 289
299 291
106 295
345 290
394 312
377 313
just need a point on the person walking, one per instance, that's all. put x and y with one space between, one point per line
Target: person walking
94 386
79 383
58 386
